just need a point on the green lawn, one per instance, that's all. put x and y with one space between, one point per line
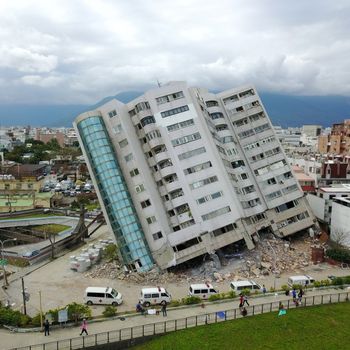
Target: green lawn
29 216
323 328
51 228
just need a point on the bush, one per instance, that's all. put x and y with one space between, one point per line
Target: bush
339 254
285 287
191 300
214 297
246 292
13 318
175 303
36 320
231 294
109 311
78 311
111 252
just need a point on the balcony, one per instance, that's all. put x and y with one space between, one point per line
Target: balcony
155 142
150 127
168 170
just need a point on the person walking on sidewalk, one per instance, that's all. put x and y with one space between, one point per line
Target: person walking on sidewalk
164 309
47 327
241 300
84 327
245 300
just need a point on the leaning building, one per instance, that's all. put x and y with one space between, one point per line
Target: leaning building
181 172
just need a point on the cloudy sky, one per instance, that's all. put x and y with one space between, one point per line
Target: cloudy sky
79 51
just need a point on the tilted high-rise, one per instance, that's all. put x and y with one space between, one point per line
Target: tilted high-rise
181 171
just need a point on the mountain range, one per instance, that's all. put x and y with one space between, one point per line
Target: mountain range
284 110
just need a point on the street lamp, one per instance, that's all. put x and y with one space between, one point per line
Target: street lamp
3 261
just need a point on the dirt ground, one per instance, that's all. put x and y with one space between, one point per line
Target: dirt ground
59 285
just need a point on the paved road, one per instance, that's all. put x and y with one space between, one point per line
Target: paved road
9 340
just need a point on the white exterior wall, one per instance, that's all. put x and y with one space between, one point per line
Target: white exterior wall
340 228
163 249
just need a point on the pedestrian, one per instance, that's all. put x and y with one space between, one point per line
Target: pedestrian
164 309
264 289
280 306
84 327
300 295
294 295
47 327
245 300
241 300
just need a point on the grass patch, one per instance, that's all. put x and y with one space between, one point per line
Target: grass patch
319 327
28 216
51 228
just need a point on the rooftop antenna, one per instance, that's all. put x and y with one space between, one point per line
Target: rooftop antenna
159 83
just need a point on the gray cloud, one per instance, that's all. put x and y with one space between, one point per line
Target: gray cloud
80 51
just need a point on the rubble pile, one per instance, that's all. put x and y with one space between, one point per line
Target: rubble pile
112 270
274 256
270 256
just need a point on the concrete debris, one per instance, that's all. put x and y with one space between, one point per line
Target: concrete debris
271 256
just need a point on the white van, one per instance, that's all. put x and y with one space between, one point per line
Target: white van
102 295
303 280
154 296
238 286
203 290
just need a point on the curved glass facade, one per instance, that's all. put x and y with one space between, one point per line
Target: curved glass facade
116 198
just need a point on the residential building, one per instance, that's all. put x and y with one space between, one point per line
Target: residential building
181 172
321 202
306 182
340 230
338 141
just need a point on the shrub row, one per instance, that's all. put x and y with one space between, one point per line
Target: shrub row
339 254
17 319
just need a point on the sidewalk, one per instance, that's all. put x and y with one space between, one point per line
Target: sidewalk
11 340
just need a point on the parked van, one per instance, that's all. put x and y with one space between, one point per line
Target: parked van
102 295
303 280
154 296
203 290
238 286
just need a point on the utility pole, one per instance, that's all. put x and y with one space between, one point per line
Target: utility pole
24 297
41 311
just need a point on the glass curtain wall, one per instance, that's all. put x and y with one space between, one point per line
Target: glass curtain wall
116 198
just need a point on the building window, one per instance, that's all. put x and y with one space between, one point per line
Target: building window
167 98
216 115
150 220
112 114
157 235
173 111
216 213
203 182
123 143
209 197
147 120
117 129
212 103
186 139
142 106
180 125
192 153
139 188
129 157
197 168
145 203
134 172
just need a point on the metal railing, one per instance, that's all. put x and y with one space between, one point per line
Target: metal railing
158 328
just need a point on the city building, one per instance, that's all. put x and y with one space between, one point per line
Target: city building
338 141
340 230
321 203
306 182
181 172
